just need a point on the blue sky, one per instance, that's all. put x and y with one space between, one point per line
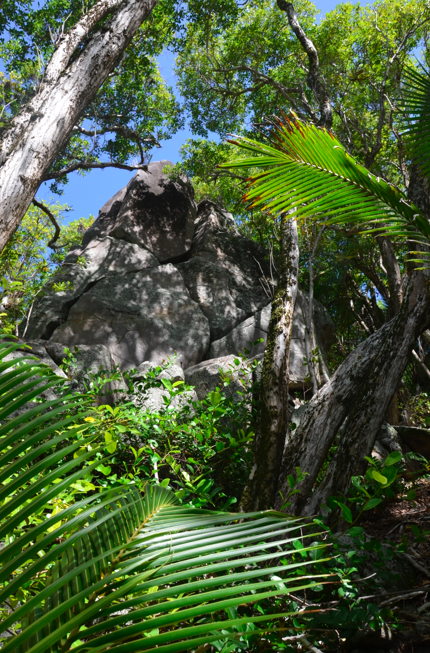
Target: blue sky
87 194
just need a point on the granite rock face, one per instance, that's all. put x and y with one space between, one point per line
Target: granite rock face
247 333
82 269
156 276
145 316
153 212
224 271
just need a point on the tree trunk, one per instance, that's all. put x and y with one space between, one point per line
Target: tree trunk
41 129
361 389
272 419
309 334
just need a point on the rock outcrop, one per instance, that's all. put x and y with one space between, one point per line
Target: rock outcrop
156 275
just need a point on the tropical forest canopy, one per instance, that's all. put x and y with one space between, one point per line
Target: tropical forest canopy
313 132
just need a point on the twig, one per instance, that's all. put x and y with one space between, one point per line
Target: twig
306 643
423 607
393 529
408 595
417 565
383 594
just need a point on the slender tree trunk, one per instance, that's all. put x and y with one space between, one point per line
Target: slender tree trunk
361 389
42 128
310 336
272 420
394 276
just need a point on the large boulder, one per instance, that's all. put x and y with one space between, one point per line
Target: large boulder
153 211
244 336
146 316
225 271
81 270
247 334
416 438
155 275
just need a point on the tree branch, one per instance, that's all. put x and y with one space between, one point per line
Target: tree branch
313 78
81 165
54 222
421 363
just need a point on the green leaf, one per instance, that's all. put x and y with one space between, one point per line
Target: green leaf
111 447
167 384
346 512
390 474
214 398
378 477
393 458
372 503
308 172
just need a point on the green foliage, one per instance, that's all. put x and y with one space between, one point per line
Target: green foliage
416 112
163 434
242 64
419 410
26 265
122 565
309 173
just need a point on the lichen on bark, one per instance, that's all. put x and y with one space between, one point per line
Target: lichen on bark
272 419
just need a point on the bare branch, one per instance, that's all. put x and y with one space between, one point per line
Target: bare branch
360 321
54 222
82 165
421 363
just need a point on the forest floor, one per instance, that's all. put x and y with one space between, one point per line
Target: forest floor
394 523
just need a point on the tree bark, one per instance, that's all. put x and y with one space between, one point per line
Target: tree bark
310 336
272 419
41 129
361 389
394 276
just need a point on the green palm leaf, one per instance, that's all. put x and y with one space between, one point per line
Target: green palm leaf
309 172
145 565
122 570
416 113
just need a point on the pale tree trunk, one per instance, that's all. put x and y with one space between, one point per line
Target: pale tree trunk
39 132
272 420
361 389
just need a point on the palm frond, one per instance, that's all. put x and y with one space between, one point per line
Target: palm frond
309 172
146 567
121 570
416 114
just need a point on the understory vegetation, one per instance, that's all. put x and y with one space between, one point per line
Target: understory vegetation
267 514
100 477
